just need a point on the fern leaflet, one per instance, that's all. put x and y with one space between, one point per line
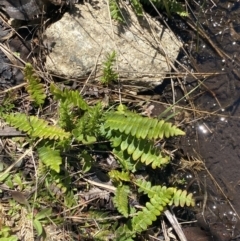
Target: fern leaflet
72 97
66 116
137 7
165 194
35 127
180 198
120 200
124 233
50 157
115 10
168 195
139 149
119 176
34 88
87 127
125 160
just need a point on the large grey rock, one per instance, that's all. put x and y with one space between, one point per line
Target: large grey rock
84 38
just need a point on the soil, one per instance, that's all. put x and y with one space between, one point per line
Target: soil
213 138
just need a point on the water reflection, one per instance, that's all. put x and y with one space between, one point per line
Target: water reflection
223 119
203 129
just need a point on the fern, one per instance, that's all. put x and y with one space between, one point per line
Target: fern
137 7
73 98
120 200
141 127
126 161
171 6
142 149
180 198
134 135
66 116
159 198
50 157
145 217
119 176
34 88
132 138
109 74
77 116
35 127
88 126
115 10
71 106
124 233
165 194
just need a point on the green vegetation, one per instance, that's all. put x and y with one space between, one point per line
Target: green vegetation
109 74
5 234
170 6
65 151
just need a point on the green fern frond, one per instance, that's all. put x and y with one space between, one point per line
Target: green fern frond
119 176
125 160
171 6
86 160
50 157
74 98
137 7
35 127
141 127
88 126
120 200
149 213
175 7
165 194
68 101
109 74
145 187
181 198
34 88
144 218
159 198
115 10
182 13
139 149
124 233
66 118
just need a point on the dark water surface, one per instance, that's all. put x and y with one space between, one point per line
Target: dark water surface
216 139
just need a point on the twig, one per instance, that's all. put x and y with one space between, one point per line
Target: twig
108 187
7 131
165 231
13 88
172 219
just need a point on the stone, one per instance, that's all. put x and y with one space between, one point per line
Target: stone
82 40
